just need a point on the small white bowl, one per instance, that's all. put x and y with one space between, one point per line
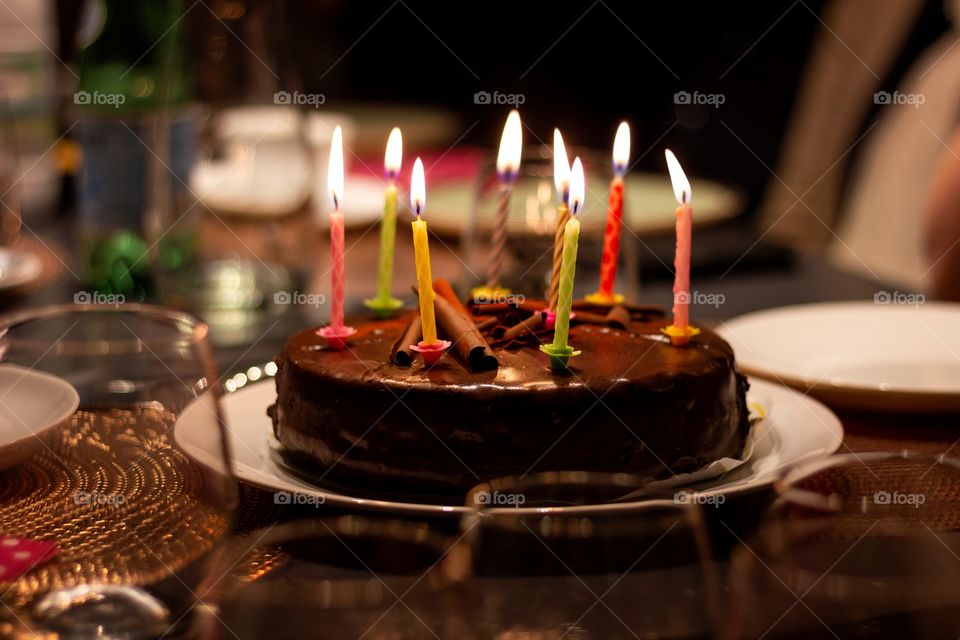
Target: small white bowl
32 404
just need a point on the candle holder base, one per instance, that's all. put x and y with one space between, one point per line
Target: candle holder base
431 352
680 337
559 356
605 299
337 336
488 295
383 307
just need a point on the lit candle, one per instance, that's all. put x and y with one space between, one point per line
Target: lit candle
337 331
560 351
561 179
385 304
611 236
508 163
680 331
429 347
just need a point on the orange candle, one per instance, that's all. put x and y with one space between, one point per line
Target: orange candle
611 236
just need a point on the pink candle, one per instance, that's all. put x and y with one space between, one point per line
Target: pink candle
681 264
337 332
336 273
680 331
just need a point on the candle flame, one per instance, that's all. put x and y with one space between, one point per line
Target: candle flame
335 169
621 149
561 166
418 189
681 186
394 155
577 186
511 144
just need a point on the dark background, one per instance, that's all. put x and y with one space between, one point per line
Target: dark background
581 66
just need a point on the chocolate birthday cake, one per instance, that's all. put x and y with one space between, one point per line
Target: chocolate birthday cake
374 416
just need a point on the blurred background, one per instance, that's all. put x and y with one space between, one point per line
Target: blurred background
175 151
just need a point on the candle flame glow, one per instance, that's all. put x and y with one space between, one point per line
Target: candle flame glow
561 166
335 169
418 189
681 186
621 149
577 186
511 144
394 155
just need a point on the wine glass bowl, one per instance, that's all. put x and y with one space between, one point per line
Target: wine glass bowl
129 513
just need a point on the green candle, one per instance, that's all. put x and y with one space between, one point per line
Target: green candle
384 304
560 351
571 238
388 236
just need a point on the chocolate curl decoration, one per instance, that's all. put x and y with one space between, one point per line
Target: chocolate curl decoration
486 323
529 325
466 338
618 316
493 308
441 286
401 354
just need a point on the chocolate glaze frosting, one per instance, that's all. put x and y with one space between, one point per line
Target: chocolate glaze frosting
631 403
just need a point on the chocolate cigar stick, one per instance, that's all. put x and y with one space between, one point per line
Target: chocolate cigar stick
486 323
618 316
466 338
526 326
441 286
401 354
491 309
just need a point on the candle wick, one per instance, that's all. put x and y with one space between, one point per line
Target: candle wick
336 202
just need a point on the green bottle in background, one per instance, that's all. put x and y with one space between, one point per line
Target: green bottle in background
138 130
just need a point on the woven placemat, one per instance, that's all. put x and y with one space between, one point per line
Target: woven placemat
121 502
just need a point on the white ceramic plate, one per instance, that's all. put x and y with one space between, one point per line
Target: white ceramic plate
18 268
882 356
31 404
797 428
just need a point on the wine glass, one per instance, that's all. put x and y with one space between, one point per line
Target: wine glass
346 577
562 553
860 545
125 490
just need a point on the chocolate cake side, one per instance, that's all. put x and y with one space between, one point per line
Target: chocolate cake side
631 403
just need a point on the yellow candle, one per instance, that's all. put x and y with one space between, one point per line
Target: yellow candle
421 248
